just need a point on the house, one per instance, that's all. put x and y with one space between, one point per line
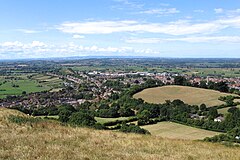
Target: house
219 119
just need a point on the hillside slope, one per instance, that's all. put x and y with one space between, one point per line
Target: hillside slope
50 140
190 95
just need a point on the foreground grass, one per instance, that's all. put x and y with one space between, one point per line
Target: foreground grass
190 95
50 140
178 131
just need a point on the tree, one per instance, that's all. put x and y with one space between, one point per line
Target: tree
203 84
133 129
64 115
24 92
144 117
82 119
180 80
213 113
126 112
203 107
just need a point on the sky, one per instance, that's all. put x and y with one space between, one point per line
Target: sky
151 28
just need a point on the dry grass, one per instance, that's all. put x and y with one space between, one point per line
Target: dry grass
178 131
225 110
190 95
49 140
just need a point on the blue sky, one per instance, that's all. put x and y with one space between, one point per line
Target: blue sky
158 28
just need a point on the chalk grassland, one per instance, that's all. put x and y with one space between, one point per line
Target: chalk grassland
178 131
23 84
190 95
50 140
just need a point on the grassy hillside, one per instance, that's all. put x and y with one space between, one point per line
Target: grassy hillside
50 140
190 95
178 131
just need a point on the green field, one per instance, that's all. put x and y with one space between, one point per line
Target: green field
190 95
104 120
225 110
23 84
178 131
50 81
17 83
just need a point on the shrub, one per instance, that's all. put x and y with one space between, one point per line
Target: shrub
23 120
133 129
81 119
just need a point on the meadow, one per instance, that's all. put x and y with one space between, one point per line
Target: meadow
178 131
53 82
104 120
50 140
225 110
17 86
190 95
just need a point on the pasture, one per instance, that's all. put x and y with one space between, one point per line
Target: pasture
53 82
104 120
225 110
15 86
178 131
190 95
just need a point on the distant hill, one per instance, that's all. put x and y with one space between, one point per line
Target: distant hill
50 140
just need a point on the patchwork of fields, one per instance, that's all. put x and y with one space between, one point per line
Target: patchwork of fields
190 95
27 83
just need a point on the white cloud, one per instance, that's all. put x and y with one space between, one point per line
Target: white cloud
77 36
27 31
127 4
170 28
218 10
161 11
199 11
38 49
196 39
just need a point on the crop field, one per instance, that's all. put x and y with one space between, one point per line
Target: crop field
19 84
50 140
190 95
178 131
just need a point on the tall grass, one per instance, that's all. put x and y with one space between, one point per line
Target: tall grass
49 140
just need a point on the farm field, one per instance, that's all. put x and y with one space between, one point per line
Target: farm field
190 95
17 86
225 110
50 140
104 120
178 131
53 82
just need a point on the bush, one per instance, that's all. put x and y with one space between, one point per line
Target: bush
64 115
23 120
133 129
81 119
